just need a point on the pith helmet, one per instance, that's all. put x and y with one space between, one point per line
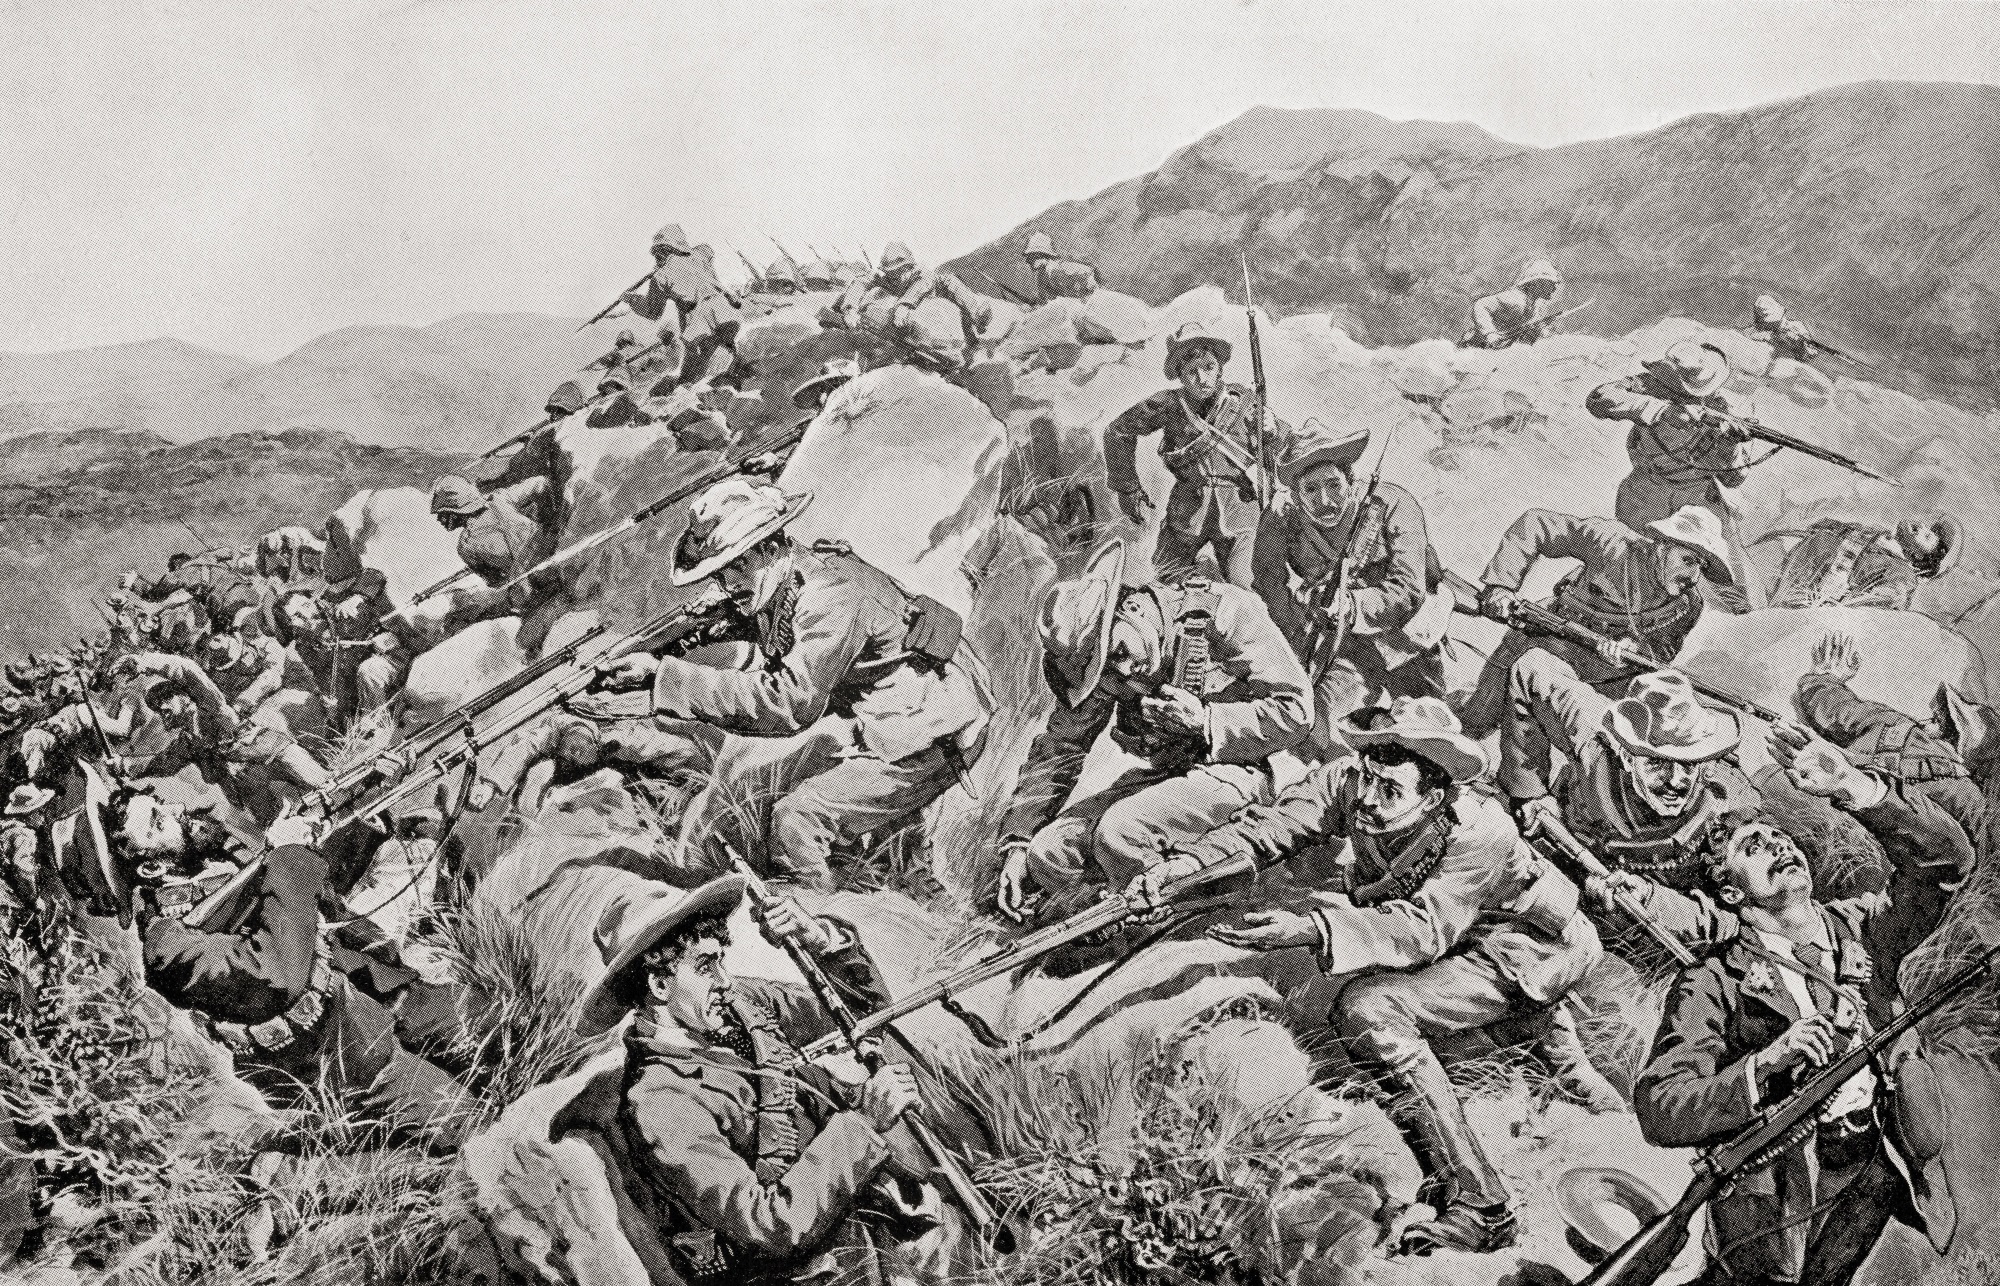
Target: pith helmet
452 494
671 239
1538 270
1039 245
897 255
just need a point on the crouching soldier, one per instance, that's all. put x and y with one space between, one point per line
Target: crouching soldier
1365 617
501 536
1449 922
1194 679
1742 1030
892 701
1520 314
753 1165
1638 587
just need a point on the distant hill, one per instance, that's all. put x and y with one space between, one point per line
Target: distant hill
78 508
1868 208
454 386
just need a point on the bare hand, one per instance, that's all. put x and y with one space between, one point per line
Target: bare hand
1810 1040
349 610
481 794
1623 653
1147 889
1496 603
624 673
1268 931
1134 504
1017 897
1536 815
888 1095
785 918
301 829
1815 766
1604 890
1837 655
1172 710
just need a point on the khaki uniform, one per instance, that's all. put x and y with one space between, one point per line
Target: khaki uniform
1258 703
1507 318
1787 339
1064 279
698 317
836 674
1213 502
1393 576
1451 926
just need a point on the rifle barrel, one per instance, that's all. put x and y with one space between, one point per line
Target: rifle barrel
1777 438
605 311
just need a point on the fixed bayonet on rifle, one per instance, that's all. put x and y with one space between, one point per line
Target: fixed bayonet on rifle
1540 620
756 273
1006 289
463 743
1108 913
1513 333
598 400
1763 433
1651 1252
1572 852
1260 445
797 267
605 311
977 1209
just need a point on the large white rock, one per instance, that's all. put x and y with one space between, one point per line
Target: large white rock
391 530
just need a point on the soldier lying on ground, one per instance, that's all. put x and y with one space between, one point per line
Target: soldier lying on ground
1856 564
749 1164
1448 922
566 748
1381 633
1741 1030
1213 503
1682 454
1195 680
885 703
1638 586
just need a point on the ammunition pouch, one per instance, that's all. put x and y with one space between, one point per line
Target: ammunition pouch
702 1256
278 1034
935 631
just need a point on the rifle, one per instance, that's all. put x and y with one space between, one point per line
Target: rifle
1513 333
1111 911
206 545
429 592
1540 620
597 400
1762 433
1323 645
969 1199
213 911
797 270
1653 1249
1831 351
756 273
727 467
605 311
1006 289
1260 447
1569 848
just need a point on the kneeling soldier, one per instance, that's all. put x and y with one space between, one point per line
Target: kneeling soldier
1449 922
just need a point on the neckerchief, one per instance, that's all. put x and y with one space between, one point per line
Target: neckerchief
1406 859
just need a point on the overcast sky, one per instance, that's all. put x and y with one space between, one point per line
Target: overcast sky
247 176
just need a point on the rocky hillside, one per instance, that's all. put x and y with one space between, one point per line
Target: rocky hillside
1867 207
457 385
78 508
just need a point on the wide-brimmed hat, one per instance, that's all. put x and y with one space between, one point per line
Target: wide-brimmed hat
727 520
1538 270
1973 728
1658 717
568 399
1423 725
1192 337
1038 244
814 392
632 926
1692 369
452 494
1693 527
1314 443
626 339
897 255
672 239
1589 1196
1076 619
27 798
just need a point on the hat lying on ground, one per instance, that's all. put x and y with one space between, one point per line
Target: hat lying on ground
726 522
1698 529
1658 717
632 926
27 797
1422 725
1314 444
1076 619
1589 1196
813 393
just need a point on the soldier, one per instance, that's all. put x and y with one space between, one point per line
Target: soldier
289 554
755 1166
1519 314
781 278
618 354
501 535
72 731
901 279
1194 679
874 675
1742 1030
1448 923
30 892
1640 588
1206 446
1682 453
1786 337
1057 278
1382 633
1857 564
568 748
262 678
698 316
1644 780
297 1009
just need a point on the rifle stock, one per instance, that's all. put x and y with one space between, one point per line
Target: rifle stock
1654 1248
1559 837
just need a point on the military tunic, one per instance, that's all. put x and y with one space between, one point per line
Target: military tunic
1214 498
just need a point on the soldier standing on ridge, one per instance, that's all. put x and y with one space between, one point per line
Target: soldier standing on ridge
698 317
1206 445
1682 453
1518 315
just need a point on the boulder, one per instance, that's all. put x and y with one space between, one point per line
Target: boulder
391 531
